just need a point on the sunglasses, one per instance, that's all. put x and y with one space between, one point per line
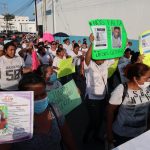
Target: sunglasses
54 44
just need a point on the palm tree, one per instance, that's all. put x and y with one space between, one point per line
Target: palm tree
7 18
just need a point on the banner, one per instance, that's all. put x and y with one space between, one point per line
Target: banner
66 97
16 116
66 67
110 38
144 46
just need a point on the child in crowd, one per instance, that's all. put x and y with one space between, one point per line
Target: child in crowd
49 76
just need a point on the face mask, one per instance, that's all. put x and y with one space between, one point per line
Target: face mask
53 77
143 86
40 105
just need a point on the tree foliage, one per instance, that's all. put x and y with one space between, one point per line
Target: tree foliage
8 17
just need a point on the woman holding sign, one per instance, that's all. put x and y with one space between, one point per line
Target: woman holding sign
50 128
131 102
60 56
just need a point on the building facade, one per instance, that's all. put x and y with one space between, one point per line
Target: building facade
19 23
72 16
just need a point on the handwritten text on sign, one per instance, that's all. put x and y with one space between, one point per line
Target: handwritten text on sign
109 38
66 97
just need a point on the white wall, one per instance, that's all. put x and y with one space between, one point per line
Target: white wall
72 15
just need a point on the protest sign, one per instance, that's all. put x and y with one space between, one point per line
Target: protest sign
66 97
110 38
139 143
66 67
112 68
16 116
144 46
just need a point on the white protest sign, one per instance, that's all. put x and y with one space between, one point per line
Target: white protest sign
139 143
16 116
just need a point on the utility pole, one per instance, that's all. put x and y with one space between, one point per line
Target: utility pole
53 13
45 16
36 19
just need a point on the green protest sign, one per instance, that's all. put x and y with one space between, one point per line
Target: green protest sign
66 97
65 67
110 38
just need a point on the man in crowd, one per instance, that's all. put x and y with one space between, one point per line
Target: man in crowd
116 37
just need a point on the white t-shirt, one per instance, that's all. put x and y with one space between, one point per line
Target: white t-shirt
116 42
10 72
51 52
76 59
57 60
73 55
133 97
68 48
133 111
44 59
96 79
84 50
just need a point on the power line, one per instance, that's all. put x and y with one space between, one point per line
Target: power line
24 7
4 6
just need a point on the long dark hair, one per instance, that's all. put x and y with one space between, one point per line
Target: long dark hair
136 70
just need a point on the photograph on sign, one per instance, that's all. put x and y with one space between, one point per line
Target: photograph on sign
100 34
116 37
146 43
110 38
3 117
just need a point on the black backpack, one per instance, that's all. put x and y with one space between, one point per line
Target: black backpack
125 85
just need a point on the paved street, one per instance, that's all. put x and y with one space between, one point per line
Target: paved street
77 120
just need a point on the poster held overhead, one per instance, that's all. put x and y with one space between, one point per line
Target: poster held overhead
110 38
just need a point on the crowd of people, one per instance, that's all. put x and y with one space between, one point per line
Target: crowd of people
122 106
